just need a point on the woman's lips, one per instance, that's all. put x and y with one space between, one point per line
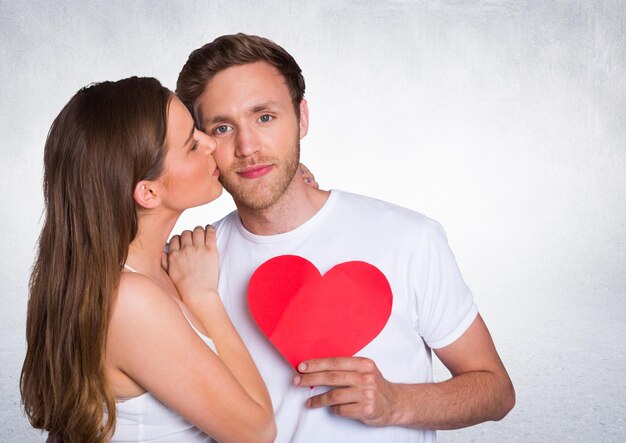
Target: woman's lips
255 171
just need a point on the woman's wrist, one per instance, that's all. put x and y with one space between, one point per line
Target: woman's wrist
200 297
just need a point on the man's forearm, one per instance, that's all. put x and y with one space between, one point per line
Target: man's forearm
480 389
464 400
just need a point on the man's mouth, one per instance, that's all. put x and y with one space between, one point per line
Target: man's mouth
255 171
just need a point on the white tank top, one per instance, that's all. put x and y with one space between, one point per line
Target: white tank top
144 418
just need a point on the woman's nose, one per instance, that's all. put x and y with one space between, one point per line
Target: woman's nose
207 142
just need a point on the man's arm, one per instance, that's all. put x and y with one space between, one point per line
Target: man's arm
479 390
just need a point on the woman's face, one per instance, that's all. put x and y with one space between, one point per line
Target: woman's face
190 175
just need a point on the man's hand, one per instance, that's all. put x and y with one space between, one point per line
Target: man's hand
360 391
479 390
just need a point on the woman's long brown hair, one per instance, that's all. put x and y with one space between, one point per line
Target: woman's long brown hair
108 137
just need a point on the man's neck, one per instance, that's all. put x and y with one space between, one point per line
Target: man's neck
295 207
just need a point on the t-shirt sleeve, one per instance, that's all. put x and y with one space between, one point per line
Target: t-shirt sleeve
445 306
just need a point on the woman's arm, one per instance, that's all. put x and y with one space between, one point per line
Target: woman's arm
193 267
152 342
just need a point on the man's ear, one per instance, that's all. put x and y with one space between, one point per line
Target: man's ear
147 194
304 118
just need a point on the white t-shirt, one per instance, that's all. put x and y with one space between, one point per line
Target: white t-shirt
432 306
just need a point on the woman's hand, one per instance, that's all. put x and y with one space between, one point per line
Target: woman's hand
308 176
193 263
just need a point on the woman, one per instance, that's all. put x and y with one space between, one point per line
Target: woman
113 322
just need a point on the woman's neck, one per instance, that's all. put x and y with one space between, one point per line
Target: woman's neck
145 251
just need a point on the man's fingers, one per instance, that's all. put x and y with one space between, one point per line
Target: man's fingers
349 410
355 403
334 378
360 392
358 364
338 396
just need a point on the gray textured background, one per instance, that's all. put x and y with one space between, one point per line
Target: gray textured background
504 120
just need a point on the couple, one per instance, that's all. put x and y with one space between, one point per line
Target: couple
128 343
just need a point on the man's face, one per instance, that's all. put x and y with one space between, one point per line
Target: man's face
248 109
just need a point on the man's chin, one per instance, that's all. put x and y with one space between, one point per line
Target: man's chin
258 204
255 197
263 192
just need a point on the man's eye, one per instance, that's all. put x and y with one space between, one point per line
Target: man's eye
195 146
265 118
222 129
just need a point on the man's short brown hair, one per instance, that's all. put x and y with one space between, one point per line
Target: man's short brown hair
232 50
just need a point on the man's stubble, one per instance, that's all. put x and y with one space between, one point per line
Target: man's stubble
264 193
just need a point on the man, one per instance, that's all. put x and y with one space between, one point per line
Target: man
248 93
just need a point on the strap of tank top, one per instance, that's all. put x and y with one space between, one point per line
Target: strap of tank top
205 338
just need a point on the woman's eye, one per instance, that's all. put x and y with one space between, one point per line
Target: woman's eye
265 118
195 146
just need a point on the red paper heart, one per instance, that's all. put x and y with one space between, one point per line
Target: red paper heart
307 315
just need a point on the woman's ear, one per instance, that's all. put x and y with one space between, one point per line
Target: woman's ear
146 194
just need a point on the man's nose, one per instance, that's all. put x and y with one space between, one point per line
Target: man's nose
247 142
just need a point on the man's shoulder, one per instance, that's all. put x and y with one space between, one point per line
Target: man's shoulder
380 210
226 221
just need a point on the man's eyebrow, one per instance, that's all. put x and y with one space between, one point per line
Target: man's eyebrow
252 110
263 106
214 119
